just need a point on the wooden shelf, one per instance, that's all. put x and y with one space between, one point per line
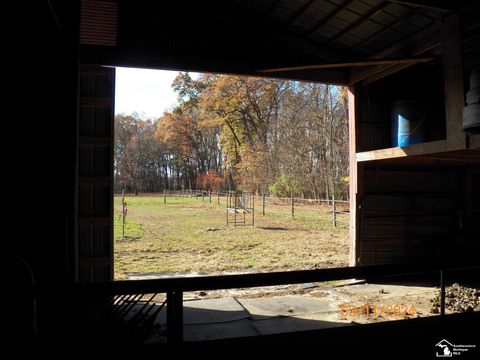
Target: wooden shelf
398 152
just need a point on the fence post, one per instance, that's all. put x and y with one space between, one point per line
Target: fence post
334 213
263 204
124 214
253 210
210 196
218 197
165 197
203 195
293 205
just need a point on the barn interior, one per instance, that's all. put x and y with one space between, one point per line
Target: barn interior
415 206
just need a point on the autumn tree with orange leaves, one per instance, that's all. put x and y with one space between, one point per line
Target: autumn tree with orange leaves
234 132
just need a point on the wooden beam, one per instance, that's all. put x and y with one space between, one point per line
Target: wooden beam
299 14
362 74
453 82
422 40
352 145
353 136
386 72
374 11
414 45
350 64
329 76
389 28
438 5
397 152
327 18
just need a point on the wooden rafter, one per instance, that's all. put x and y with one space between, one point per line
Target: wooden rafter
438 5
408 61
418 43
299 14
328 17
389 28
374 11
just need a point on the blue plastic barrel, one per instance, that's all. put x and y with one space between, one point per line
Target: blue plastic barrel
408 125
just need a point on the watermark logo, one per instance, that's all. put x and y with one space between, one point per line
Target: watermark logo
446 349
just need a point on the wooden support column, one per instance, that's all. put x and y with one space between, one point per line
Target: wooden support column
356 175
453 82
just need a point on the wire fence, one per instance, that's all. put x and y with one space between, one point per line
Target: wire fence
293 207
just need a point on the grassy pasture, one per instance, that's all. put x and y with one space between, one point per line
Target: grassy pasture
190 235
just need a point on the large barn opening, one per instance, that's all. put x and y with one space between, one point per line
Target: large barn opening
225 174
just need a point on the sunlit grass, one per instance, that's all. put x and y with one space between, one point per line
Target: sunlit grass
188 234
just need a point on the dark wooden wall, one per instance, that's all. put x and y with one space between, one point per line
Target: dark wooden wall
94 235
38 142
417 212
38 158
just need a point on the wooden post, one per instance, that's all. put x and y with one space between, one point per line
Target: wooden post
263 204
165 197
453 82
356 176
174 317
218 197
253 210
203 195
210 196
293 205
334 211
124 214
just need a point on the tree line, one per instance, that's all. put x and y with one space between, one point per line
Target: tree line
239 133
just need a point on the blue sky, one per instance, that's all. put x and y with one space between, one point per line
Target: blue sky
148 92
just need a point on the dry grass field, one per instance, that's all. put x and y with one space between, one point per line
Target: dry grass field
190 235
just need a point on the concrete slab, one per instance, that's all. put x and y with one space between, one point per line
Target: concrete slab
292 323
228 317
289 305
309 285
209 311
233 329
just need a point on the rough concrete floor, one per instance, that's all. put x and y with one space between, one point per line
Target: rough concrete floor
302 307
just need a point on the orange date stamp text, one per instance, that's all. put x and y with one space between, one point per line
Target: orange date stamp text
376 310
